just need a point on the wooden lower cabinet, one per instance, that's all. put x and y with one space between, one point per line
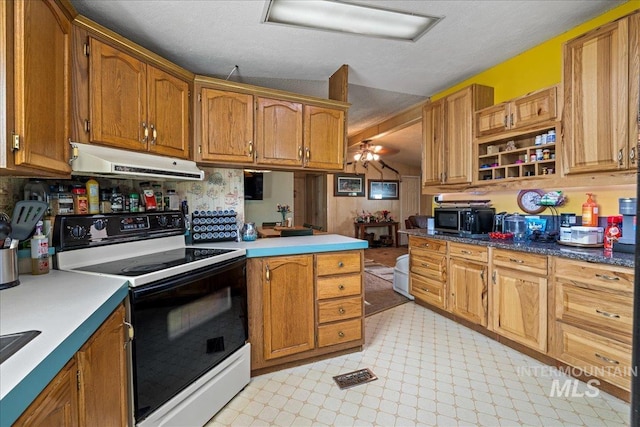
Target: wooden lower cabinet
303 307
593 319
91 389
428 270
57 404
519 282
468 292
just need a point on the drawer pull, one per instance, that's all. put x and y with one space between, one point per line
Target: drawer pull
606 359
519 261
341 334
341 287
466 252
340 264
610 315
605 277
425 245
424 264
425 289
342 310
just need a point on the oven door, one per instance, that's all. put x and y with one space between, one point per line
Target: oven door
184 326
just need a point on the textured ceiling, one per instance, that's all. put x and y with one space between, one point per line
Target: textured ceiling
210 37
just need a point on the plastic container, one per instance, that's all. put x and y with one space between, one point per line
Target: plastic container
93 195
117 201
134 202
613 232
517 225
39 251
401 276
80 201
587 235
589 212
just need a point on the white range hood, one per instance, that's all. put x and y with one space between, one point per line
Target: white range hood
107 162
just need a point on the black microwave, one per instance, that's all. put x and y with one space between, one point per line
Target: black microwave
464 221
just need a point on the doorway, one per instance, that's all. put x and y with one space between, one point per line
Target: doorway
310 199
410 194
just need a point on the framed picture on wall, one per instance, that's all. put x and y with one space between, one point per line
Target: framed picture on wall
348 185
384 190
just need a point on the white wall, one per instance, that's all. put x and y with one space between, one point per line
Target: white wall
278 189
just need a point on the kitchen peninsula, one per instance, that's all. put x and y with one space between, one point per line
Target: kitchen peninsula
306 298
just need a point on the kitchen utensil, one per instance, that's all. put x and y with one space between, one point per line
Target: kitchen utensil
5 226
25 216
9 267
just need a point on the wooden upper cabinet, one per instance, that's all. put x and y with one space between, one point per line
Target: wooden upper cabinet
168 113
522 112
136 106
118 93
596 101
323 138
37 96
433 150
278 132
459 110
226 126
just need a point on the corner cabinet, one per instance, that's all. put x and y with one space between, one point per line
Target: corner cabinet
448 128
302 307
92 387
253 126
134 105
601 72
35 88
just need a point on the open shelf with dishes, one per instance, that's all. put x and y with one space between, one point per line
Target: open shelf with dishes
518 155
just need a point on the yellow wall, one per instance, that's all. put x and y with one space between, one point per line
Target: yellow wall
538 67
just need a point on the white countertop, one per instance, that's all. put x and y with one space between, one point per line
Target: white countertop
67 308
293 245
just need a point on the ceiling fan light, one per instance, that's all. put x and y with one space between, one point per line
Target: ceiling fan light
376 156
357 156
350 18
369 156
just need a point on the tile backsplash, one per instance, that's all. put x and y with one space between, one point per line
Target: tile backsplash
220 189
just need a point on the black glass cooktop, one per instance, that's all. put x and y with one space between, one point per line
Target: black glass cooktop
137 266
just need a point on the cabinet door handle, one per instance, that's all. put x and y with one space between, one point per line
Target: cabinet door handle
620 157
299 153
493 277
505 121
154 134
341 287
518 261
605 277
606 359
250 148
632 155
341 334
145 132
307 154
482 274
130 332
511 119
267 273
606 314
342 310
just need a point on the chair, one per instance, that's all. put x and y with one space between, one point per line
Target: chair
269 224
416 221
296 232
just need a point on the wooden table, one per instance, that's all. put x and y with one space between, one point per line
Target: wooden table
275 231
361 227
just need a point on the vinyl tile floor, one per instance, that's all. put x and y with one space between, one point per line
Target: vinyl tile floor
431 372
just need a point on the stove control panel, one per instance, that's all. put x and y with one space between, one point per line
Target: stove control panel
80 231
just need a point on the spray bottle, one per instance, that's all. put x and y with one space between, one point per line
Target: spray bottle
39 251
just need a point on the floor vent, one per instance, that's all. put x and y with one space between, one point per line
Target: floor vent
354 378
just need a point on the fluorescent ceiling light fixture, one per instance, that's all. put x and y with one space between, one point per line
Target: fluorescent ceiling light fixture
350 18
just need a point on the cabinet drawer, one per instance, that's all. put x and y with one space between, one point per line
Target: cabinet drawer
428 264
608 277
339 286
520 261
604 313
427 290
338 263
432 245
470 252
607 359
337 333
344 308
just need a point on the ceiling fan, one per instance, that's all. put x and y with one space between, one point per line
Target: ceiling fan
367 152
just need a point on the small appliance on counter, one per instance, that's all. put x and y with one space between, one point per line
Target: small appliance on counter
464 221
627 243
